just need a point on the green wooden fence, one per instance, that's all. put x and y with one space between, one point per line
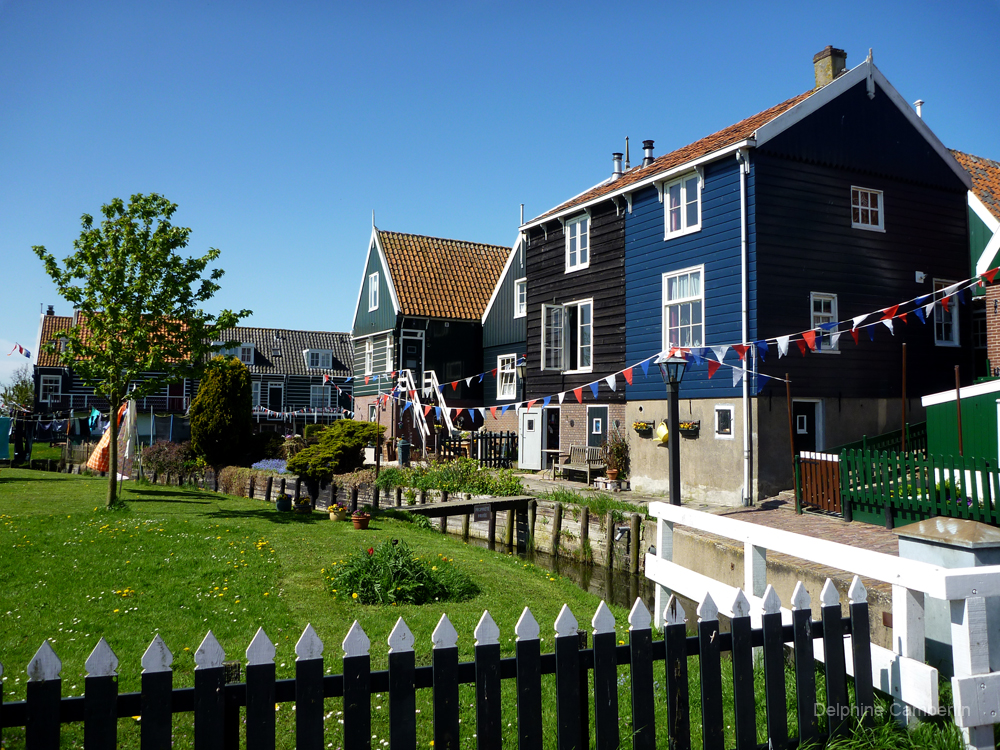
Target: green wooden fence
916 440
893 489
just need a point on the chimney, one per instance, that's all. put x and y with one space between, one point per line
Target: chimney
76 316
616 158
919 106
647 153
51 310
828 64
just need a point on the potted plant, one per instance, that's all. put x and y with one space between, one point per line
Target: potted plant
643 427
338 512
283 502
303 506
360 519
616 454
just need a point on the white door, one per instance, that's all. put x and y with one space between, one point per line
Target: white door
529 444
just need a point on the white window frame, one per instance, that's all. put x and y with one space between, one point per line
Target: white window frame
556 337
684 184
319 396
939 312
520 298
46 392
323 358
255 393
372 412
369 356
506 377
373 292
731 435
667 303
823 337
571 230
246 354
856 204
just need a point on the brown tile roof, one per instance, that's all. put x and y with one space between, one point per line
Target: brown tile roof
442 278
51 324
985 175
726 137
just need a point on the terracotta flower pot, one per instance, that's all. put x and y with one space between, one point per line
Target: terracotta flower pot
361 522
612 474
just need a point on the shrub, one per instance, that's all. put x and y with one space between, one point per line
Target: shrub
391 573
461 475
221 421
339 450
165 457
312 431
291 445
235 480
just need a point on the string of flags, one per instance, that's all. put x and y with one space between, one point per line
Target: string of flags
304 411
810 340
20 350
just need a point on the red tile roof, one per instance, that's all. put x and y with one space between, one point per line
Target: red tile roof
985 175
440 278
726 137
51 325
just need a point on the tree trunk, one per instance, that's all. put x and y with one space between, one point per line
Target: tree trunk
113 456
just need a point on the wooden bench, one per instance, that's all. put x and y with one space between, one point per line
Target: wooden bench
585 460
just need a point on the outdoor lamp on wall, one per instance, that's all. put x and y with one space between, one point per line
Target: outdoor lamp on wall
521 367
672 370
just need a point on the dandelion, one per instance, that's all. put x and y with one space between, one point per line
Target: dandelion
354 595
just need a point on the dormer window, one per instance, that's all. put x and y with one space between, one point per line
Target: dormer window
319 358
246 354
372 292
242 352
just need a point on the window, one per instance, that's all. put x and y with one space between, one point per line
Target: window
682 209
824 312
867 210
320 358
372 291
246 354
372 412
596 426
520 298
945 321
51 388
683 303
567 336
255 388
577 244
319 396
724 422
506 377
369 356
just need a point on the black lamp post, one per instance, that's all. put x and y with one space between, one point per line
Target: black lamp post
521 367
672 371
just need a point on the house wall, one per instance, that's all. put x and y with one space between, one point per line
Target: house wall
490 356
993 325
382 319
500 326
382 365
454 350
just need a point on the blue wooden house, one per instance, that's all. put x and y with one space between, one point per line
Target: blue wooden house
837 202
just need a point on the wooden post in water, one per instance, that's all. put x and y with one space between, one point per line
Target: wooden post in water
958 409
556 527
508 532
903 403
609 539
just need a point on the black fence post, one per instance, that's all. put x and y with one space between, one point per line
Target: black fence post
488 727
710 665
157 687
606 732
640 639
742 656
357 690
567 650
268 486
309 690
100 698
678 698
354 499
260 693
774 671
837 705
44 690
444 665
529 683
864 694
805 666
402 695
209 695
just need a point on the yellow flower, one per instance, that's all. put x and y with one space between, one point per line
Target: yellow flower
265 593
354 595
434 567
116 610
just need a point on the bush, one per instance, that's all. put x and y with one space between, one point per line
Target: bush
221 421
339 450
312 431
235 480
460 475
391 573
166 457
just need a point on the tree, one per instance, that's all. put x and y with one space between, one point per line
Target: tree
221 420
140 326
21 388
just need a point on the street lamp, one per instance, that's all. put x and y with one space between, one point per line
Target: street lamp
521 367
672 370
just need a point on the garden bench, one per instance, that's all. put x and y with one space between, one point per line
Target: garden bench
585 460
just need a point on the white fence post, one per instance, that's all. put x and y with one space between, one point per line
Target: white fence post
754 568
907 640
664 550
977 700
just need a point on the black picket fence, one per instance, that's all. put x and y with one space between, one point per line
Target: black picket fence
221 708
496 450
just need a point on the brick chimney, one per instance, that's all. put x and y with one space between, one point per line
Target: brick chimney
828 64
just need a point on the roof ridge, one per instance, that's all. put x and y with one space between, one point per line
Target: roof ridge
441 239
995 162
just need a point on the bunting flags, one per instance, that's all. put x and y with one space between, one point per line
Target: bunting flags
493 411
989 275
810 338
890 312
801 343
761 382
783 346
888 324
762 349
712 367
593 388
627 374
720 351
561 396
532 403
367 378
645 367
612 384
454 385
741 350
854 334
738 373
546 400
468 382
578 392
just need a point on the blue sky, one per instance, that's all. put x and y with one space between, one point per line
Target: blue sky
279 128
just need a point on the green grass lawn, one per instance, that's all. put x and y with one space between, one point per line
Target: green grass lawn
179 562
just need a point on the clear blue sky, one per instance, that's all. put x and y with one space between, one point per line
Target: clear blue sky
279 127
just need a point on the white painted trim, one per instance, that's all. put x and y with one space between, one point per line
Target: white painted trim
993 246
991 221
517 285
663 191
663 301
944 397
732 422
515 249
373 291
499 396
880 227
580 265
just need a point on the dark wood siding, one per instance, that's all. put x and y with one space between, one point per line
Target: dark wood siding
454 350
604 281
805 243
501 327
382 319
382 365
490 356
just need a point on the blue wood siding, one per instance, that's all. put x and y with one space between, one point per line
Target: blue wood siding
501 327
382 319
648 257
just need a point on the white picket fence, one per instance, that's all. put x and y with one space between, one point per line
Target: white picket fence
900 672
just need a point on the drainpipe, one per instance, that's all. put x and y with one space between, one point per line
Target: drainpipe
744 165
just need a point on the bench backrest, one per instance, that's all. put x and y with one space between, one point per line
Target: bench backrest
585 454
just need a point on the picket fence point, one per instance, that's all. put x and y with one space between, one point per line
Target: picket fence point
400 639
800 597
772 602
356 642
261 650
857 593
102 661
566 623
44 665
674 612
829 596
639 617
603 621
157 657
309 646
209 654
527 627
486 633
707 610
444 635
741 606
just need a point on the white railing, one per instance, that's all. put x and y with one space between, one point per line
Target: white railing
431 384
900 672
406 383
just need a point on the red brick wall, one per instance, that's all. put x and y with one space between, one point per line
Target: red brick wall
993 326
